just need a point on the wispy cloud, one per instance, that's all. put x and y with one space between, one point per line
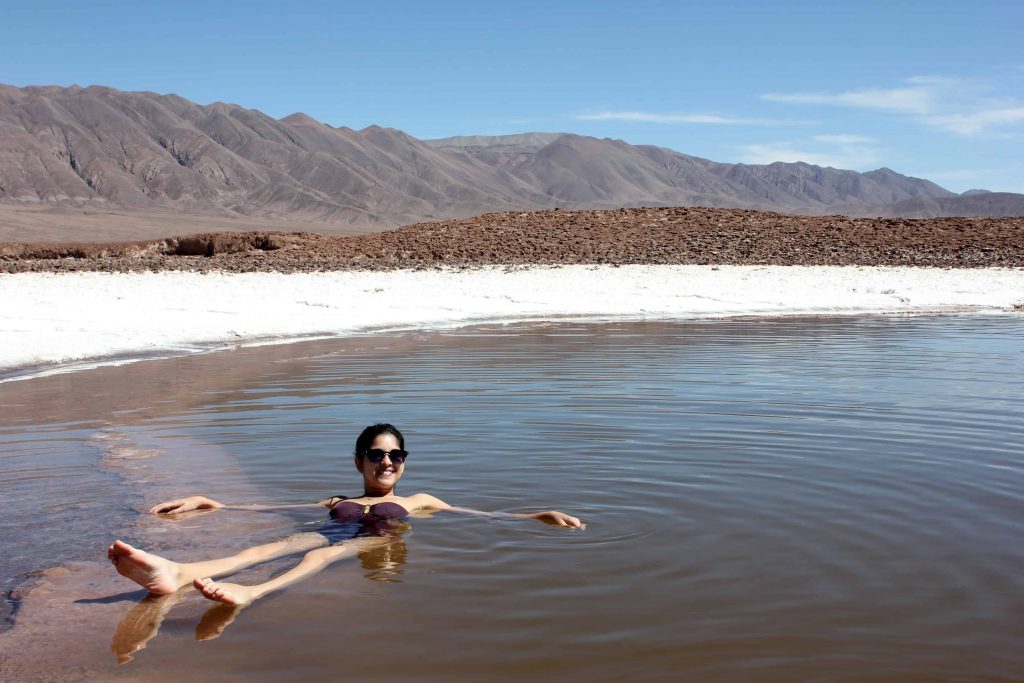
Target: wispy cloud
956 105
837 151
960 175
1000 179
916 99
783 151
843 139
655 117
978 121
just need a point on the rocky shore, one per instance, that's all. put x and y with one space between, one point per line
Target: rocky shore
647 236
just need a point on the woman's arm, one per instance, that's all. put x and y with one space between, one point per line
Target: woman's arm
179 505
553 517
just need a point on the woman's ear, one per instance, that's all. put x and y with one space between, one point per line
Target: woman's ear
359 465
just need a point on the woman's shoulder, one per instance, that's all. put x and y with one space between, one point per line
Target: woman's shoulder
424 500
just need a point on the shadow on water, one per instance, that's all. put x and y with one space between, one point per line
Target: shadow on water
108 599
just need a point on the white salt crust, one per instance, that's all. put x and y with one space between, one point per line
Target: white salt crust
48 319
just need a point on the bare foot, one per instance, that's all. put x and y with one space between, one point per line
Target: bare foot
152 572
228 593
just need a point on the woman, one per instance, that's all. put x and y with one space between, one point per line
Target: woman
359 523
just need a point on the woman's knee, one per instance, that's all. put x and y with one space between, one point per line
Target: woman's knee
326 554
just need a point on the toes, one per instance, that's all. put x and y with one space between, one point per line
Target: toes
121 548
208 587
214 591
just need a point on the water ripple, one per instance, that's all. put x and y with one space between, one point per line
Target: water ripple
764 499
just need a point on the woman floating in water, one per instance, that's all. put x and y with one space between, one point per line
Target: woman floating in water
358 523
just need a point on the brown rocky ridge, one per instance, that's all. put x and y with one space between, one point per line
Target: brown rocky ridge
556 237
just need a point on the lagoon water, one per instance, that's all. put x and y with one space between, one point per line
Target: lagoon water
773 500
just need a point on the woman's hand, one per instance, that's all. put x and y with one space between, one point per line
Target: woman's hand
173 507
556 518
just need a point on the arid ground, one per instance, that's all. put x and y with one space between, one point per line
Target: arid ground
615 237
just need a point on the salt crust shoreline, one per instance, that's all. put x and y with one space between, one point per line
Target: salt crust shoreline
48 319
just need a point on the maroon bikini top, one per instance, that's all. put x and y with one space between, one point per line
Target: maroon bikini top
348 510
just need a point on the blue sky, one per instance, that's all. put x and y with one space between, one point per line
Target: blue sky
933 89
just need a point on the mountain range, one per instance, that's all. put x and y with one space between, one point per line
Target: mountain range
105 149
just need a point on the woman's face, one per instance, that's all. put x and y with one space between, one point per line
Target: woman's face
384 474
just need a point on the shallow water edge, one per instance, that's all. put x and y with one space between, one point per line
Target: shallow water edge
48 319
777 499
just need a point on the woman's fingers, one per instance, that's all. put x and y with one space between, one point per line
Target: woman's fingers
180 505
562 519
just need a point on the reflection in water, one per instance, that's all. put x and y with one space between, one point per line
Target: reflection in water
140 625
380 551
767 500
384 563
215 620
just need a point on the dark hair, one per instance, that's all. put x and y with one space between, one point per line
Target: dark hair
367 436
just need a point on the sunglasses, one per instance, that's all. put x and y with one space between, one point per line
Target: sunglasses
376 455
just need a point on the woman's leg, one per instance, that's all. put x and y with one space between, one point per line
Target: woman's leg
311 563
161 576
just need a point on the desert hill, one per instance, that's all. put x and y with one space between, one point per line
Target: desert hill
576 169
136 154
